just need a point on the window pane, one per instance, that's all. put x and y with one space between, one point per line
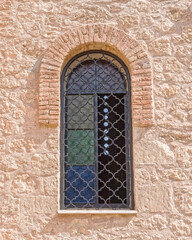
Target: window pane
80 184
110 78
111 149
82 78
80 147
80 111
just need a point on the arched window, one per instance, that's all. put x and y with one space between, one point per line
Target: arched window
96 133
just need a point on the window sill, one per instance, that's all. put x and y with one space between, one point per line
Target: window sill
103 211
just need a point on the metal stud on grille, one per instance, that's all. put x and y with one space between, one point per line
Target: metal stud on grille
96 136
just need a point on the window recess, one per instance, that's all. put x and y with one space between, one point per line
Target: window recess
96 133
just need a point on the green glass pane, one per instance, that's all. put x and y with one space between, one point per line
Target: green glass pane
80 112
80 147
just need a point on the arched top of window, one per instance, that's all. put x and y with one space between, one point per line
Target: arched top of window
96 72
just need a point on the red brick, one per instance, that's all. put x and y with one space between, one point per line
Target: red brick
147 88
140 71
50 72
139 111
119 38
52 62
80 34
54 84
62 44
114 35
105 33
137 117
54 112
122 44
43 121
44 112
133 52
147 106
66 42
47 97
47 107
62 50
142 55
147 97
137 97
126 48
51 67
136 106
56 52
143 123
44 84
146 102
134 44
54 102
49 117
53 122
133 58
91 33
109 35
75 37
85 34
144 83
98 33
51 78
43 103
71 40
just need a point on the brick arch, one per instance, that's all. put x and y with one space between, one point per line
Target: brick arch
101 37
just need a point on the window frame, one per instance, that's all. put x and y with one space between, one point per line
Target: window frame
62 133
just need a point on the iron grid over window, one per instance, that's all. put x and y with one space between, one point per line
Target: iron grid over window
96 133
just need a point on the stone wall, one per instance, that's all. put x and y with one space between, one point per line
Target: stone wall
29 151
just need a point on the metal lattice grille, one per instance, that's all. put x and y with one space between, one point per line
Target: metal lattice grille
96 137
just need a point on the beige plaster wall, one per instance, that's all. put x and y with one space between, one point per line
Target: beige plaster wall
29 153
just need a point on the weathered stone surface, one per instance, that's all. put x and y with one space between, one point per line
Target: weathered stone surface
160 47
155 198
46 205
50 185
156 222
177 12
147 175
50 160
181 228
168 91
128 21
152 152
184 157
30 153
187 34
172 65
174 174
9 164
23 183
183 199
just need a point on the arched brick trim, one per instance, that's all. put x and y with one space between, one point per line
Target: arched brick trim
96 37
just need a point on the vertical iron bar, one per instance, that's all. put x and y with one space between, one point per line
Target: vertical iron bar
62 144
127 147
96 135
129 125
65 148
96 147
